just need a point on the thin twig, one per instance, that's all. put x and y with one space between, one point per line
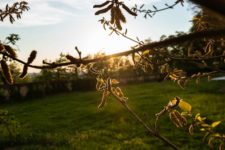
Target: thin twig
150 130
217 6
151 13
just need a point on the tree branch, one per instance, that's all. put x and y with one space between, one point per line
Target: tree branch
167 42
217 6
196 58
150 130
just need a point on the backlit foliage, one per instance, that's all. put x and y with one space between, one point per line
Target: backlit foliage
107 87
180 113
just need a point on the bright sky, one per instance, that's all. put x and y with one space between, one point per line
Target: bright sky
55 26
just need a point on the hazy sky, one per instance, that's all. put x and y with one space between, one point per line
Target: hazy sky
55 26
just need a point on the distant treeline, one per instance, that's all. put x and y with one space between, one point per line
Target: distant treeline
25 91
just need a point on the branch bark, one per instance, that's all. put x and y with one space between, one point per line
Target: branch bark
217 6
159 44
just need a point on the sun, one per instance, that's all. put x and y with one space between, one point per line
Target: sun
100 40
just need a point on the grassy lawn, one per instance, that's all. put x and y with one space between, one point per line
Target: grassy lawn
72 121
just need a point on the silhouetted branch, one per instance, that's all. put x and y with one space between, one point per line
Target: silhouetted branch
159 44
196 58
217 6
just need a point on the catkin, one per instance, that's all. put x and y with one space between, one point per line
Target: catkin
32 57
104 10
112 15
118 24
128 10
174 119
119 92
1 47
181 118
6 72
101 5
120 15
117 20
178 119
24 72
10 51
104 98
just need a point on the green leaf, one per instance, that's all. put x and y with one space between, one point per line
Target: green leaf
146 52
114 81
216 135
185 106
204 125
216 123
202 129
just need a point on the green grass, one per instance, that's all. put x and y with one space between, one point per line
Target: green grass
72 121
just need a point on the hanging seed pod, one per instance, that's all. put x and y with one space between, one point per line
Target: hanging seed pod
118 24
10 51
104 98
1 47
128 10
101 5
182 119
119 92
6 72
104 10
120 14
112 15
32 57
174 119
108 84
117 18
133 58
24 72
177 119
99 84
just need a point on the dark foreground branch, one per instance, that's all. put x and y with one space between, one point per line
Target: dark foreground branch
217 6
167 42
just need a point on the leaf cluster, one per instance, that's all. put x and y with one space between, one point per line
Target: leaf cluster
14 11
117 16
185 119
107 87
